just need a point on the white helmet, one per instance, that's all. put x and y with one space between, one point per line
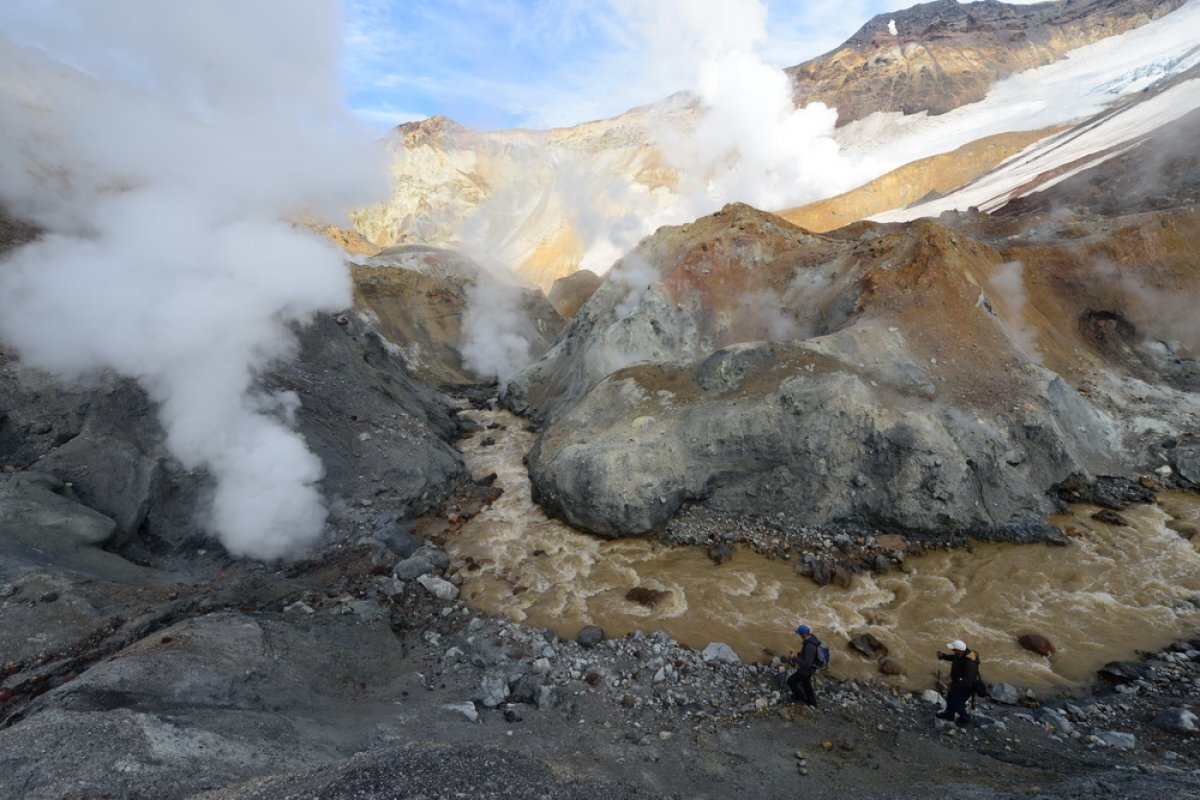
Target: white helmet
957 644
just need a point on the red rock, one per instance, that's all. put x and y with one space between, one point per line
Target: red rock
5 695
1037 644
647 597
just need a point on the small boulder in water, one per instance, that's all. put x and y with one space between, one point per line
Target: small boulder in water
1037 644
843 577
1110 517
720 552
645 596
869 646
890 666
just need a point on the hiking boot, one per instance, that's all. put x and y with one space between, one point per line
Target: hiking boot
962 723
947 717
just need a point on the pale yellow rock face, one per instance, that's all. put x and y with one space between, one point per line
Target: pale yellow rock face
525 199
942 174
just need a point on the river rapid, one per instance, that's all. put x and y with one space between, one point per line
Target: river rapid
1111 592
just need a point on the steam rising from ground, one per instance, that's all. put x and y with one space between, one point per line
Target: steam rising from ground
163 170
1008 286
745 141
740 139
493 347
750 144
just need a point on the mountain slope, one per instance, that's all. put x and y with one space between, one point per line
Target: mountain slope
545 203
946 54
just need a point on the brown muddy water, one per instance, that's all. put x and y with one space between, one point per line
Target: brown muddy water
1111 592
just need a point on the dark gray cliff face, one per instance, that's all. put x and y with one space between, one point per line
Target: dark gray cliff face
882 377
381 436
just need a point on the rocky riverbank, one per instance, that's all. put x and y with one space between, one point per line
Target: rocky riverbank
360 673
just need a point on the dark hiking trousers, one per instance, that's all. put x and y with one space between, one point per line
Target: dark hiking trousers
802 688
956 706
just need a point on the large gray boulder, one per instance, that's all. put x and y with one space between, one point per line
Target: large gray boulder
868 379
1176 720
110 473
40 508
788 426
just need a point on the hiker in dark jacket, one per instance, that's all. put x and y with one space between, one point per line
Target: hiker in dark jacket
964 672
805 662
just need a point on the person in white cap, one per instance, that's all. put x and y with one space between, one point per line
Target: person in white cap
964 672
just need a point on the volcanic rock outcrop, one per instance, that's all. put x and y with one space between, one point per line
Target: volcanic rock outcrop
945 54
100 444
568 294
914 378
420 299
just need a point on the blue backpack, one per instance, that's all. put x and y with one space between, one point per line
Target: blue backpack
822 659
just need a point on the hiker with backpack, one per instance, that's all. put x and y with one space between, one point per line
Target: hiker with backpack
812 656
964 678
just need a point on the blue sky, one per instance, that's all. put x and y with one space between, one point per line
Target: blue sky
539 63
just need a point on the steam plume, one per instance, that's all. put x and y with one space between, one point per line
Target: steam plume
1008 284
751 144
163 162
745 141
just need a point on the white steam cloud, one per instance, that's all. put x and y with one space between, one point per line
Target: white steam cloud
751 144
163 146
1008 287
742 140
493 346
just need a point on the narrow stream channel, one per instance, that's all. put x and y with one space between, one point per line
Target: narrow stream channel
1113 591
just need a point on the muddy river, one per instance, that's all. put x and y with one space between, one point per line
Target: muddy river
1113 591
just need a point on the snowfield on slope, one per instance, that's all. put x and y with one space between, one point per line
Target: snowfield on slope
1084 83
